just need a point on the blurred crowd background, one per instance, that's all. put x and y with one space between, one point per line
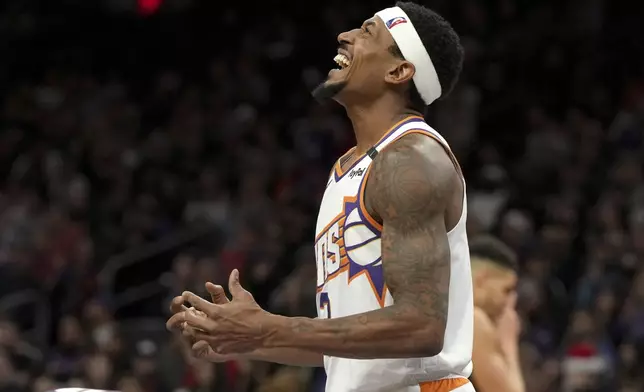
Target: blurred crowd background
146 147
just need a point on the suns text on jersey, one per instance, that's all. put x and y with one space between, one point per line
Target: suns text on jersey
330 255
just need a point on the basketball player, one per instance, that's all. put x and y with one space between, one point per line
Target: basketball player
394 281
496 324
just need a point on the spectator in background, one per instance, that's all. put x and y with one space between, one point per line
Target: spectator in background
66 360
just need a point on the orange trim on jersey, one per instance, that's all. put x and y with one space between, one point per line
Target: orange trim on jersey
337 218
338 163
344 258
363 209
377 226
338 167
363 186
444 385
344 267
425 132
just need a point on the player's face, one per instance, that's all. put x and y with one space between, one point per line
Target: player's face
499 284
363 62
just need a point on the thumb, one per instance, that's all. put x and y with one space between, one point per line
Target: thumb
217 293
235 287
201 349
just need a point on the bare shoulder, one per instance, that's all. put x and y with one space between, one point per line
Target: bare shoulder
413 175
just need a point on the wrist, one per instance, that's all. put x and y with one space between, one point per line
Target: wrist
276 326
288 332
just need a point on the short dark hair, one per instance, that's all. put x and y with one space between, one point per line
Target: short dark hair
443 44
491 249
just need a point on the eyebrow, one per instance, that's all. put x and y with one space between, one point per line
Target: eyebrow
370 22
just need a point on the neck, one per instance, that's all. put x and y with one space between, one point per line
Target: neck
371 121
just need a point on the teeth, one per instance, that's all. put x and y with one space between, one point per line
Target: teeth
342 60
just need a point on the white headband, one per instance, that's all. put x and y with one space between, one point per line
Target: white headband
413 50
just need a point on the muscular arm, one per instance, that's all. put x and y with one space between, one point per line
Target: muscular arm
493 371
409 187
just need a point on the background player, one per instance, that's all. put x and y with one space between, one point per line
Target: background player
496 324
394 282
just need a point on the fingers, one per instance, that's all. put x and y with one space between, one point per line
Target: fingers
188 335
202 349
235 287
200 346
233 283
198 322
176 305
188 331
217 293
224 348
199 303
176 321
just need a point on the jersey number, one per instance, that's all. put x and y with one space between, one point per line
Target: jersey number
325 304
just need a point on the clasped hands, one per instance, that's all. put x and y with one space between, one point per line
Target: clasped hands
222 329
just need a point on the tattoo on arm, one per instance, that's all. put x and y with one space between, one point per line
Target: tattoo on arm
410 191
409 188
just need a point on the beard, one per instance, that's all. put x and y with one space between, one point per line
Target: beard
327 90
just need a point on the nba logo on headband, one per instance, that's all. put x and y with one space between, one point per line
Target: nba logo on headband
395 21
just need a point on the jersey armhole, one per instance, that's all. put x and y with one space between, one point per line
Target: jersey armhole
363 206
363 186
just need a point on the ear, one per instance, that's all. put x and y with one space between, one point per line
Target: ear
479 277
401 72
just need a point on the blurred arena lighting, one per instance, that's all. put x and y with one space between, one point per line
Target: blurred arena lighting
148 7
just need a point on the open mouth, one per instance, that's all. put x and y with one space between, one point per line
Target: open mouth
342 60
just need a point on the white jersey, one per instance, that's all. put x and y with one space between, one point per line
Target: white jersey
350 281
